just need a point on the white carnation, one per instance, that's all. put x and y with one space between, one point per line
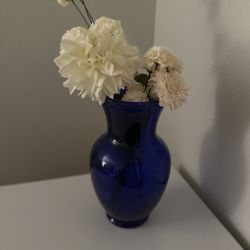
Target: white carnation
95 62
162 59
136 93
64 3
169 89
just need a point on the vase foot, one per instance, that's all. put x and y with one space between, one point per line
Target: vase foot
127 224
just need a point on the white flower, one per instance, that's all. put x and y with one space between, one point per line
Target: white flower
169 89
107 26
166 83
64 3
162 59
96 63
136 93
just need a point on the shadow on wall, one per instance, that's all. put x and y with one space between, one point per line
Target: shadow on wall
223 164
222 157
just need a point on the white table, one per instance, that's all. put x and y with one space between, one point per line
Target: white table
64 214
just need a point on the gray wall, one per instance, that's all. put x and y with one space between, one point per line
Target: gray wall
210 137
44 132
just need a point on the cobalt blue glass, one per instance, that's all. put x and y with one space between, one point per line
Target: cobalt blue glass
130 164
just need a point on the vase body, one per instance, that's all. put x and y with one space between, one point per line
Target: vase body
130 164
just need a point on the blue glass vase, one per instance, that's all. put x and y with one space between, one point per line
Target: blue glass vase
130 164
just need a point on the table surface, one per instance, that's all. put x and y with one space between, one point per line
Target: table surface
64 214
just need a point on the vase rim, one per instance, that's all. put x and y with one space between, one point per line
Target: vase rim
132 104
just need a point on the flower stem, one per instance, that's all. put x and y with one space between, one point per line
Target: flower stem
84 18
148 88
91 19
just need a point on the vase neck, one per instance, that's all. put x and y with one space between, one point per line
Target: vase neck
131 122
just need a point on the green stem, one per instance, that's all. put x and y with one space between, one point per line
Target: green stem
84 18
91 19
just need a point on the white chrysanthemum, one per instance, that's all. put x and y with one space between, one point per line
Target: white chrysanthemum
64 3
169 89
95 63
135 93
105 25
162 59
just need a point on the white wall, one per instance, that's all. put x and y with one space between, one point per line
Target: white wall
44 132
210 137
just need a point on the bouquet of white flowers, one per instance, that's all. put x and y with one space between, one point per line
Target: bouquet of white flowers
98 62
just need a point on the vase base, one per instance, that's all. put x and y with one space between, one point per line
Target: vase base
127 224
